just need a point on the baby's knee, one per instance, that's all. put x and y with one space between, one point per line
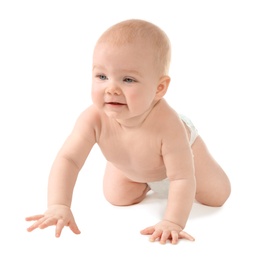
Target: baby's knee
126 197
121 201
213 197
224 194
117 201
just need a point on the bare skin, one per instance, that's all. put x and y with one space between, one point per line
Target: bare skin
125 185
143 140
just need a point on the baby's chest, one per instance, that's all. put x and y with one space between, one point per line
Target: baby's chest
136 151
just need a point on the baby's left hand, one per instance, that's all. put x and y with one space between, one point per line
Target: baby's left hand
165 230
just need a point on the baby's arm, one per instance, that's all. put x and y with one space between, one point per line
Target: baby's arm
180 199
63 176
180 172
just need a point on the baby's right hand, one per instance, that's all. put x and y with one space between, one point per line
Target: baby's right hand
58 215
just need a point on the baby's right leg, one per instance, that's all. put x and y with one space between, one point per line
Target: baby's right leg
121 191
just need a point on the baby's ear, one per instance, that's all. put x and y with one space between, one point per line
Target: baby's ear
162 86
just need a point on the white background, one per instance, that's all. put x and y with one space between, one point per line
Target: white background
45 79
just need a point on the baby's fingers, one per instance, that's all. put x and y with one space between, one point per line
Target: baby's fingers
35 217
39 220
175 237
74 228
164 237
157 235
60 225
147 231
48 221
185 235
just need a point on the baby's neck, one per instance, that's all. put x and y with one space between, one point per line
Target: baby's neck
138 121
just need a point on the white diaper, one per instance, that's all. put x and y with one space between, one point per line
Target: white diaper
193 130
162 186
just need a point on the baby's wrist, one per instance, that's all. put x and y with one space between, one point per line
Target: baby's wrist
178 226
58 205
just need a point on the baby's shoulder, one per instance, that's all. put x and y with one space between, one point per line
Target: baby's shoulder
90 118
166 118
89 114
164 112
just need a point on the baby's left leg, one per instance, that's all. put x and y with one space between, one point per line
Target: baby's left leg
121 191
213 185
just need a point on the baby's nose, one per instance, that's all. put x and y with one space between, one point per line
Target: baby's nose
113 90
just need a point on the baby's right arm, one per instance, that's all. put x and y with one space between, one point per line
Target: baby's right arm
63 175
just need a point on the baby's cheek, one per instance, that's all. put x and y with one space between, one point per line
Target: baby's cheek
96 97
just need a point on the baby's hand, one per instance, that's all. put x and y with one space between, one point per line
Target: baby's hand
58 215
165 230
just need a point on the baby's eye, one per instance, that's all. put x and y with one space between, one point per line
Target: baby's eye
102 77
129 80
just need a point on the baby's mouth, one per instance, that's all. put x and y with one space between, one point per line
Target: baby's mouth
115 103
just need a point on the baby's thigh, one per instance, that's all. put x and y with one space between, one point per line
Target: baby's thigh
120 190
213 186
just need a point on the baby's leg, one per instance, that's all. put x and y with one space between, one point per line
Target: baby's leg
213 186
121 191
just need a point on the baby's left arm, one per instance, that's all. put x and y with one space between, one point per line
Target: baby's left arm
180 172
179 204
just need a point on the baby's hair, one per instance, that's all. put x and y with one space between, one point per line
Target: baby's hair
134 29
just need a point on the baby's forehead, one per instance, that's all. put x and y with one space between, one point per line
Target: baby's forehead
140 34
133 46
133 30
127 53
120 38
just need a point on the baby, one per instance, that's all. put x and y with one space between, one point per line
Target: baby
146 143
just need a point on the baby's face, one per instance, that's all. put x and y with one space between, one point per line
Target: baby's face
124 79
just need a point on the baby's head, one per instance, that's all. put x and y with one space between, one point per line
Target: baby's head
137 31
130 69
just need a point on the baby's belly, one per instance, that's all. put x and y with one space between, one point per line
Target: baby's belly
143 174
138 163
